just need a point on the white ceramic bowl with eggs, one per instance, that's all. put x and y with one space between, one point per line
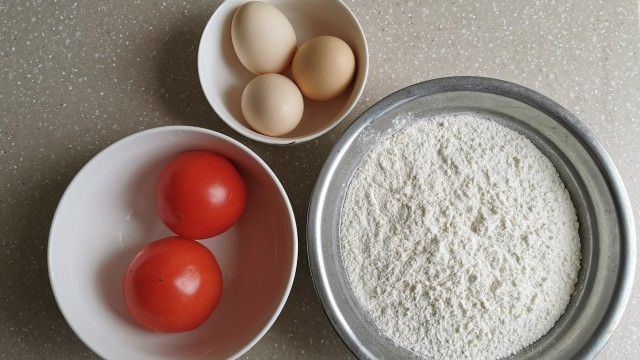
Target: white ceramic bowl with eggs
108 213
223 77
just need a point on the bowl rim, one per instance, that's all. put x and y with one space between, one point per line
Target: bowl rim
624 282
254 135
176 128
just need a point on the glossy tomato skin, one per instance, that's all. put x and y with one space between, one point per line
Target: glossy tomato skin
200 194
172 285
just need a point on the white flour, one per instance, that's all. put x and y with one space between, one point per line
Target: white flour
460 239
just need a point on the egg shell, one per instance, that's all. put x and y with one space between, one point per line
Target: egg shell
323 67
272 104
262 38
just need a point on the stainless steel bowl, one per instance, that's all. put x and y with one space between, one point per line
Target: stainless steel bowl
606 222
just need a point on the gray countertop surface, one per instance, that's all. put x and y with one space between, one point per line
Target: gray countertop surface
78 75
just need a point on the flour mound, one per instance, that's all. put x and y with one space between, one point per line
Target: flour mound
460 239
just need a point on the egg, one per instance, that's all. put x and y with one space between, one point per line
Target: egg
323 67
272 104
262 38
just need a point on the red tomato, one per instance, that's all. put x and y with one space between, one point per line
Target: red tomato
200 194
172 285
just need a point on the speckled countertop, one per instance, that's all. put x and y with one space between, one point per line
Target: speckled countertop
79 75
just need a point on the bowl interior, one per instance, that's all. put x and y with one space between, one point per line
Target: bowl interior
587 323
223 77
108 214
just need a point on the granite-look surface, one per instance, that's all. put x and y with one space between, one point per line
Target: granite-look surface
79 75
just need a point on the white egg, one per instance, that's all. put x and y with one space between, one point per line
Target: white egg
263 38
272 104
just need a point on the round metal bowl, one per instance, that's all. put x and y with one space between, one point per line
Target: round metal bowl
604 213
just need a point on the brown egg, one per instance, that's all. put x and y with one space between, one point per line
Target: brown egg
323 67
272 104
263 38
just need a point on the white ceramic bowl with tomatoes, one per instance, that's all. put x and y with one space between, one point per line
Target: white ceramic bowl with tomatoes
109 213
